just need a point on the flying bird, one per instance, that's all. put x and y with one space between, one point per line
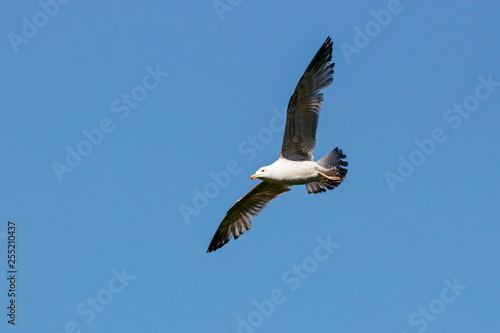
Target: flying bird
295 165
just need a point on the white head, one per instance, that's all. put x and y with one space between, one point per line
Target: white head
263 173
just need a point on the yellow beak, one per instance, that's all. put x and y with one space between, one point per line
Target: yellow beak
252 177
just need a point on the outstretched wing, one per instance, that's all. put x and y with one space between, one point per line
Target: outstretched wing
237 219
304 106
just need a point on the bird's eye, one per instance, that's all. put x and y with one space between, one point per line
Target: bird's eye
262 170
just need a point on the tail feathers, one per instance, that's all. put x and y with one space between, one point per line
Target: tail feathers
334 174
334 159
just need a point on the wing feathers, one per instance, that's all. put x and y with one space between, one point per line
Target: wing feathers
237 219
305 104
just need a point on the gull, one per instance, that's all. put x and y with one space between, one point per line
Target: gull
295 165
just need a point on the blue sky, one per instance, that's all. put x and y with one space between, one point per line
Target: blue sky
115 115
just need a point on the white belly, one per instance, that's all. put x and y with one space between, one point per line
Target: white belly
293 172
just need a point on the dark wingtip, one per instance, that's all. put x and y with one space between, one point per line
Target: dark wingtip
216 243
213 247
